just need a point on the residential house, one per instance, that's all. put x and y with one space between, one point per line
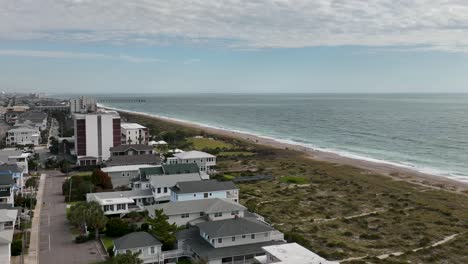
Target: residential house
127 160
161 178
237 240
16 174
197 211
95 134
133 133
148 247
290 253
7 227
185 191
34 119
205 161
23 135
131 149
121 203
6 189
122 175
18 158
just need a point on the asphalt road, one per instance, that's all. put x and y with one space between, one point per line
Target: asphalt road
55 240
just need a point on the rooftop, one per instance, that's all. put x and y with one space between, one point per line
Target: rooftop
136 147
293 253
131 126
203 186
214 205
170 169
10 168
193 154
136 240
125 168
133 160
33 116
119 197
234 227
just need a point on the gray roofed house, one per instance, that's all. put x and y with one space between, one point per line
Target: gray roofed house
203 186
232 227
196 211
170 169
125 149
136 240
113 203
148 159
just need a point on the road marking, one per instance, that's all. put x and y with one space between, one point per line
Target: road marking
49 242
49 220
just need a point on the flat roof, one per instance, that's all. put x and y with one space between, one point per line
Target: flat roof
126 168
294 253
203 186
193 154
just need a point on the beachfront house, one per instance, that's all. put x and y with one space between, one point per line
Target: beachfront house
123 175
186 191
23 135
121 203
6 189
290 253
197 211
133 154
148 247
205 161
161 178
133 133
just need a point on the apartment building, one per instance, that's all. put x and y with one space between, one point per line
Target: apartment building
133 133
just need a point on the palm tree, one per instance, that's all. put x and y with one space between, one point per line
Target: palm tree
77 216
95 217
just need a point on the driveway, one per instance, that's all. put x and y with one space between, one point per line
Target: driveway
56 242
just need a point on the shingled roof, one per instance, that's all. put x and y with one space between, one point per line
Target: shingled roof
136 240
149 159
170 169
136 147
203 186
234 227
208 206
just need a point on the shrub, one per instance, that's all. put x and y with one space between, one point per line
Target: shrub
16 247
110 251
83 239
117 227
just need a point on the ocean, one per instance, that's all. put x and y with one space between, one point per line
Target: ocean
425 132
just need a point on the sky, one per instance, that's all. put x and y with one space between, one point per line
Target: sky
234 46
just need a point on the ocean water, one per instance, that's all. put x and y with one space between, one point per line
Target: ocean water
428 133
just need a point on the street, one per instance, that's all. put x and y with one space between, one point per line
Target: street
56 243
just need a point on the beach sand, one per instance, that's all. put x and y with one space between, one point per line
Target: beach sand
396 172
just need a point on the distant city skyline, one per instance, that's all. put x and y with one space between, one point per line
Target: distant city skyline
86 46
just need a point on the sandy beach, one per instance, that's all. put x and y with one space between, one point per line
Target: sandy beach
389 170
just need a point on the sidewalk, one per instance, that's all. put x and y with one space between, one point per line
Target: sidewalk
32 257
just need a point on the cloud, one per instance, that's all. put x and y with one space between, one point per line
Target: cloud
434 24
71 55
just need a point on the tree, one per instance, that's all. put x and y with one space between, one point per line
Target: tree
54 146
77 216
117 227
162 230
102 179
95 217
127 258
32 183
16 247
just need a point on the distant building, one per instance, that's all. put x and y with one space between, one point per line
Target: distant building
205 161
83 105
34 119
290 253
23 135
132 149
133 133
95 134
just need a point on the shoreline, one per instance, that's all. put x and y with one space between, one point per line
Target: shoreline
385 169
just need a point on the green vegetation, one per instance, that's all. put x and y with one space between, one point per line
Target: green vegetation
162 230
236 154
117 227
341 211
87 215
127 258
294 179
209 144
83 183
107 241
16 247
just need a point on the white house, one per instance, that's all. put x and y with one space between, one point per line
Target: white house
121 203
122 175
133 133
197 211
95 134
23 135
148 247
205 161
7 227
185 191
290 253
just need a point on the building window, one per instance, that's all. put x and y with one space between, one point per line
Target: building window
234 212
220 240
243 236
218 214
185 215
152 250
120 207
205 195
252 236
202 213
212 241
211 194
159 189
233 238
165 189
266 234
194 195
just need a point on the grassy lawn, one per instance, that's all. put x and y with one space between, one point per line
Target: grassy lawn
294 179
107 241
82 174
207 143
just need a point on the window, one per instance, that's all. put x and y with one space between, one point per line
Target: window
266 234
233 238
202 213
234 212
128 251
243 236
205 195
211 194
212 241
152 250
218 214
159 189
252 236
220 240
194 195
120 207
165 189
185 215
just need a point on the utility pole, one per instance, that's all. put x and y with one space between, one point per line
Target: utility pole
69 191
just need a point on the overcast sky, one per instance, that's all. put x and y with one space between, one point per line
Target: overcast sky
148 46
